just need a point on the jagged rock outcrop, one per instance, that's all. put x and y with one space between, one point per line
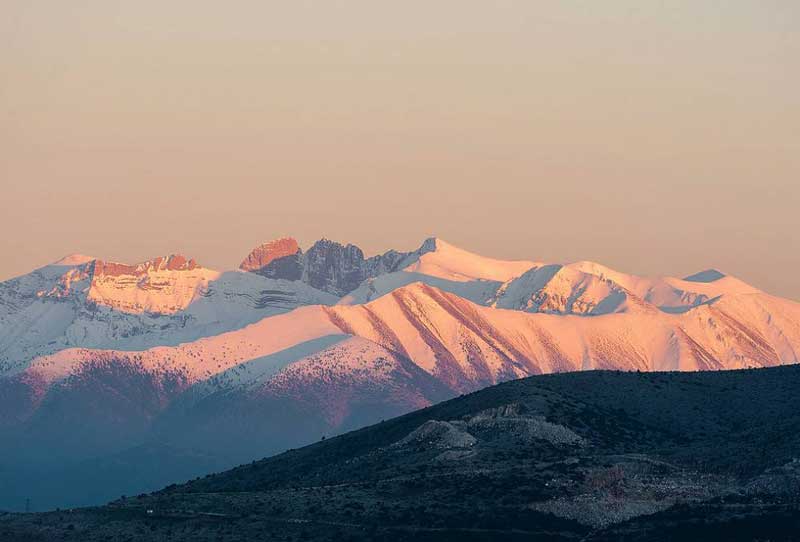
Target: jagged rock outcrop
507 422
281 258
328 265
437 434
173 262
333 267
514 420
125 286
391 260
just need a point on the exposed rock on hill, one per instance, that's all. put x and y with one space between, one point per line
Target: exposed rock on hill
279 259
327 265
662 457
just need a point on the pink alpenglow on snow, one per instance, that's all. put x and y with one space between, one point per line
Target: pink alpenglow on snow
263 255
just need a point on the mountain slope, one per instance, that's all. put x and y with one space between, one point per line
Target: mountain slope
468 345
327 369
442 332
581 456
446 267
583 288
99 304
445 261
99 359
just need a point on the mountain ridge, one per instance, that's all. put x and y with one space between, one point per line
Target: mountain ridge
170 355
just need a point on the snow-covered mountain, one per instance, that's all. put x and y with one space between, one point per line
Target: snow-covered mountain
98 358
584 288
444 266
588 288
87 302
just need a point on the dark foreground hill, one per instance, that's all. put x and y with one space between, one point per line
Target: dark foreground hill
580 456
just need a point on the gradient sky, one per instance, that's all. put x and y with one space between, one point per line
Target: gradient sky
657 137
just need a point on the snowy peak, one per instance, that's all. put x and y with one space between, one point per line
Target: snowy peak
446 267
583 288
340 269
162 285
563 290
441 259
668 293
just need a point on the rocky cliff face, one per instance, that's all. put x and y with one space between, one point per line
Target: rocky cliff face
173 262
165 300
333 267
328 266
281 258
162 285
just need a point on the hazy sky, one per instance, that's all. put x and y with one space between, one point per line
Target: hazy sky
657 137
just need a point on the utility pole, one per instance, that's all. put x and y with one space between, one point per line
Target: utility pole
27 505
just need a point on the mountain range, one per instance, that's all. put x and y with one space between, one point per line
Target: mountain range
129 377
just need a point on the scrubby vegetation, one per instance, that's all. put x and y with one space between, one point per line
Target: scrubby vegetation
582 456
